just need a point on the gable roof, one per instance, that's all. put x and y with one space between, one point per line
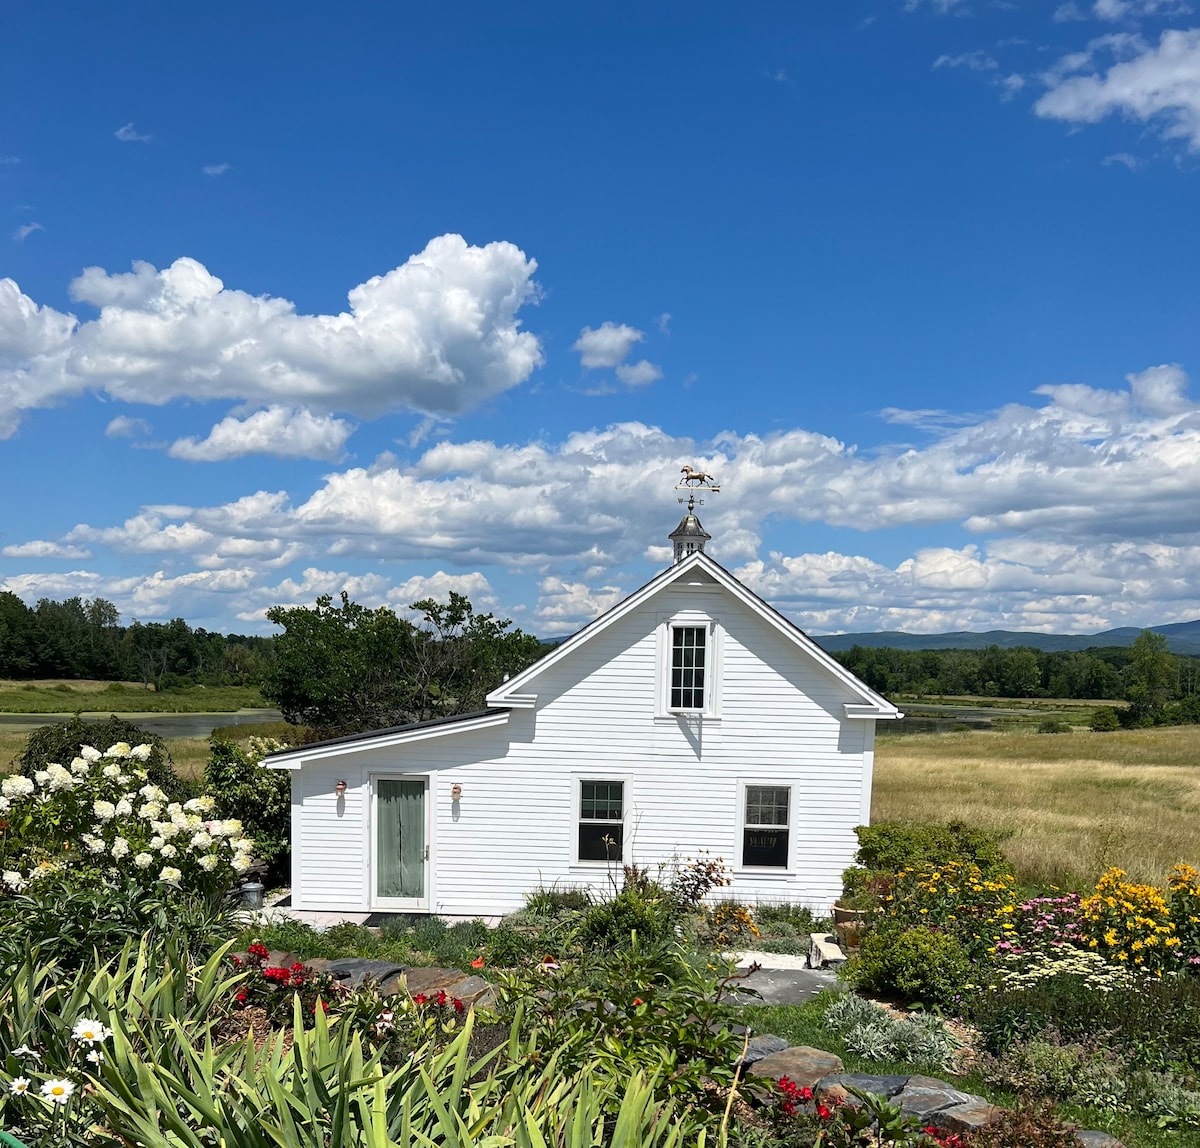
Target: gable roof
513 694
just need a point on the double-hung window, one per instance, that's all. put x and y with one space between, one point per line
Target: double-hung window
689 666
601 820
765 833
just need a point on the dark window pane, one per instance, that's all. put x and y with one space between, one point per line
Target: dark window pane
601 800
600 842
687 667
766 805
765 847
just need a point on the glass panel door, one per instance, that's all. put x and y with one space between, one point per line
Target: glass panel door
400 847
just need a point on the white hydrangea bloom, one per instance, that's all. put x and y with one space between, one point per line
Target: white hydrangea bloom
240 863
156 843
111 771
174 808
208 862
151 792
104 810
121 749
5 805
124 807
170 875
95 844
201 804
16 787
151 811
90 753
143 860
200 840
243 845
79 766
168 851
120 848
167 829
14 880
233 827
60 779
42 776
141 752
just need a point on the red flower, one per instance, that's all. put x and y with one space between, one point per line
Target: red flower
297 967
459 1007
237 961
241 998
637 1001
806 1094
477 963
441 997
823 1111
420 998
258 949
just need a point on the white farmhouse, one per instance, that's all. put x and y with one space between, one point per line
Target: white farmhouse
692 716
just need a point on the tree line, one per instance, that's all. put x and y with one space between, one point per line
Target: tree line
84 638
1158 684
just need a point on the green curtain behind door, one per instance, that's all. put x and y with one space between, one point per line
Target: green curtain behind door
400 817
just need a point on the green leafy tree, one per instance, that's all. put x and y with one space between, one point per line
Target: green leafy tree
345 668
1150 678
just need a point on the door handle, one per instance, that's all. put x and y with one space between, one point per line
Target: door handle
426 852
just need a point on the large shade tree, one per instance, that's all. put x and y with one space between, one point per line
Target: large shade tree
345 668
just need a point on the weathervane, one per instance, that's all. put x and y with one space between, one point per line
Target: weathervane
693 480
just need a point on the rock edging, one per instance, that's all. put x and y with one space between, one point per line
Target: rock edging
925 1097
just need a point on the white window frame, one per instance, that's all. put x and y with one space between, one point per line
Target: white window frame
601 775
744 788
713 658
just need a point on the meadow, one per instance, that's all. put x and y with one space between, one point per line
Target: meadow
1074 803
47 696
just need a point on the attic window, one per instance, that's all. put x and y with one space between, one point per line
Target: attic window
601 820
688 649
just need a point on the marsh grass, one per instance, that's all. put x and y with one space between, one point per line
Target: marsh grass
1073 803
59 696
189 754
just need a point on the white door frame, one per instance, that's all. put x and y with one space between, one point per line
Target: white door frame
396 904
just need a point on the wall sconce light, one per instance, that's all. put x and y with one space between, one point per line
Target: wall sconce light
340 788
455 791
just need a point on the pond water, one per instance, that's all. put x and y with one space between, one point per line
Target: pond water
165 725
934 718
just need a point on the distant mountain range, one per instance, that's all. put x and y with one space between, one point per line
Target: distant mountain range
1182 638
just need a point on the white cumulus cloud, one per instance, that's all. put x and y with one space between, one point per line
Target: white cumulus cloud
438 334
123 426
1157 84
606 345
277 431
40 548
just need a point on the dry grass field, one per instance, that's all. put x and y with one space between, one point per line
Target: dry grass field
188 753
1075 803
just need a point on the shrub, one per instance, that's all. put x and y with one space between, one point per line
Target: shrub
916 966
876 1034
696 877
258 797
61 742
1131 923
611 923
100 823
1046 1066
1029 1126
555 902
893 846
1105 719
506 947
1054 725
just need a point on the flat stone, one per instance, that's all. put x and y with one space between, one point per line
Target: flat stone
824 950
974 1113
1093 1138
433 980
803 1065
278 959
355 971
782 986
760 1047
926 1096
880 1085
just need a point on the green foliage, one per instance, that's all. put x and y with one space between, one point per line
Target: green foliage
258 797
914 966
1105 719
555 902
1028 1126
61 742
612 923
1054 725
346 668
1155 1022
876 1034
892 846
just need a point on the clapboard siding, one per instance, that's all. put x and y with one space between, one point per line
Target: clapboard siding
781 721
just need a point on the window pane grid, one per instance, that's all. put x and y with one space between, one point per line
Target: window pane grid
766 804
688 648
765 833
600 828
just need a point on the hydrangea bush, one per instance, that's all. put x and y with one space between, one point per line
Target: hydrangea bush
100 818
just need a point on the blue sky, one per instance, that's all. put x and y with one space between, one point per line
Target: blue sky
405 299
